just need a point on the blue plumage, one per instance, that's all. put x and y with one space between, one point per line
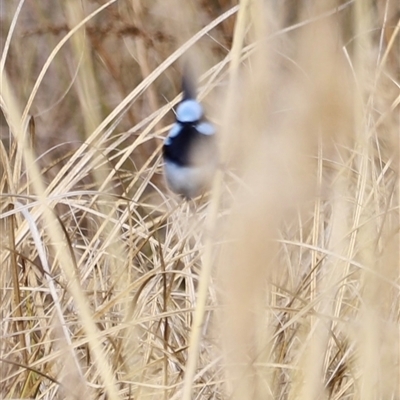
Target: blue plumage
190 151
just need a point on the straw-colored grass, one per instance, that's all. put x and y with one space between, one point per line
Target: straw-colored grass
282 283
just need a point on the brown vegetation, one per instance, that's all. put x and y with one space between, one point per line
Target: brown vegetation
283 283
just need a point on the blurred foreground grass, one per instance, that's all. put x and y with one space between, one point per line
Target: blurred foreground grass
282 284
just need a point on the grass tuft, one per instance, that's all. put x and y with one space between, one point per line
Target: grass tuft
282 283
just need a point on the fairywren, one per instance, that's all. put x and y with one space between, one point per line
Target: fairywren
190 149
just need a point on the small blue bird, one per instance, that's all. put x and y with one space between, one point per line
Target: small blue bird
190 149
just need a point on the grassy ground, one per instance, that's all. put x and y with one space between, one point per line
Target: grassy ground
283 283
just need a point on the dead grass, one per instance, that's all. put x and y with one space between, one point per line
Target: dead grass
282 284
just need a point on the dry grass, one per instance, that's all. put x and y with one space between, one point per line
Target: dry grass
282 284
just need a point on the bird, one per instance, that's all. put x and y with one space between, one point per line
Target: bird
190 148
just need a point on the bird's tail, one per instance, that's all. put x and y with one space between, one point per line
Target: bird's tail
189 86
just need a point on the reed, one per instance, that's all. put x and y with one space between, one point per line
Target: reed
282 283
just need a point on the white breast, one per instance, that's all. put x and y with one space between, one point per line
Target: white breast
188 181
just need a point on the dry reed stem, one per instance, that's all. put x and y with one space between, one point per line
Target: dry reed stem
282 284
